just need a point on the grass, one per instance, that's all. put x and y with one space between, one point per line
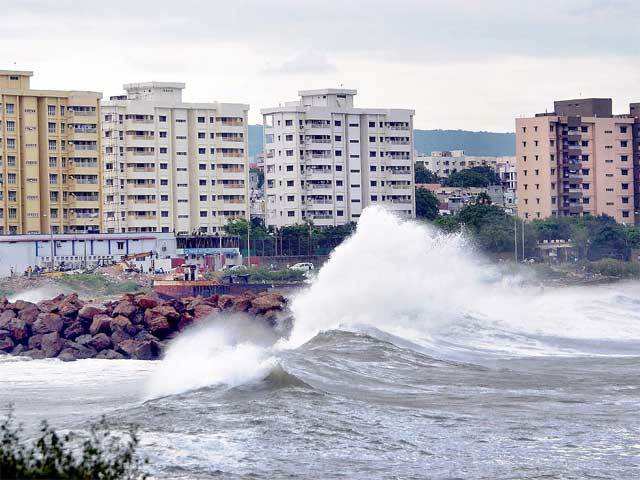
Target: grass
97 283
98 455
610 267
266 275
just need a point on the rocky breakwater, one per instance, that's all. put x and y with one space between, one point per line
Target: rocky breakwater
136 326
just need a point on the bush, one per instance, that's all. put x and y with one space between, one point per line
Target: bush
611 267
261 275
100 455
98 283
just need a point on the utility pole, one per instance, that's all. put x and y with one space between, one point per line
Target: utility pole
515 238
523 240
249 242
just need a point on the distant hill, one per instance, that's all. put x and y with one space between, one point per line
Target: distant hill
473 143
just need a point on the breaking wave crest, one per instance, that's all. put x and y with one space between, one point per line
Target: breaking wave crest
419 289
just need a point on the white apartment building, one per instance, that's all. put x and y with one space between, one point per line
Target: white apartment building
444 163
326 160
171 166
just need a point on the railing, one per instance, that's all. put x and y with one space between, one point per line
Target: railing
231 185
317 185
84 147
401 172
142 169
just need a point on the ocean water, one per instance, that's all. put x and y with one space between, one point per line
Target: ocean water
409 357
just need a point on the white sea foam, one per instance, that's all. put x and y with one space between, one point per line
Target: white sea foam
422 287
413 281
229 351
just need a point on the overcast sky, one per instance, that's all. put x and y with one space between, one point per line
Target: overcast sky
469 64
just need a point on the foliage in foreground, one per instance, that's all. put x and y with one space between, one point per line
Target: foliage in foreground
100 455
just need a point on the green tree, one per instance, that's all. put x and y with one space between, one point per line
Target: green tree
473 177
483 198
426 204
422 175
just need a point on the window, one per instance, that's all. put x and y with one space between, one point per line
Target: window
372 124
202 151
163 134
337 123
202 135
164 182
338 153
289 168
164 198
623 143
164 166
201 120
202 182
163 149
338 138
164 213
290 198
162 118
289 183
291 213
623 129
53 178
372 168
289 153
372 154
288 123
625 186
203 213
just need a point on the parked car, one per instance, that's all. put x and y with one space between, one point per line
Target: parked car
235 268
303 267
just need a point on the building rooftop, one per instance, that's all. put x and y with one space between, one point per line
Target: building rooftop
23 73
327 91
152 84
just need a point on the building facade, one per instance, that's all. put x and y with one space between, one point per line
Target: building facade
575 161
444 163
50 169
172 166
326 160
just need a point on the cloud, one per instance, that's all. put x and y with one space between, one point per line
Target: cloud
303 63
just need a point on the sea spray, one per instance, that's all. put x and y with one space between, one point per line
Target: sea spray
411 280
230 350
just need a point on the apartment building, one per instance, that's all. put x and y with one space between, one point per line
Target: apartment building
172 166
577 160
444 163
50 172
326 160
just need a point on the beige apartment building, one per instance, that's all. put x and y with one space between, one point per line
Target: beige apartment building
577 160
172 166
326 159
50 172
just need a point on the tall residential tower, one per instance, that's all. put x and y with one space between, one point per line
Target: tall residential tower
172 166
50 175
326 160
577 160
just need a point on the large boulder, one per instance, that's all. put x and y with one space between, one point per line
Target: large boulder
83 339
52 344
99 342
29 314
18 329
47 323
158 326
225 301
67 355
70 306
73 330
6 317
146 350
35 342
125 308
123 323
90 310
185 321
166 311
6 342
119 335
78 351
110 355
203 310
127 347
146 301
19 305
18 349
268 301
101 324
49 306
35 354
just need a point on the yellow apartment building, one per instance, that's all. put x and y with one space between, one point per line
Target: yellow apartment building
50 166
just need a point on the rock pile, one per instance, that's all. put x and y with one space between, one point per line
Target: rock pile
136 326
